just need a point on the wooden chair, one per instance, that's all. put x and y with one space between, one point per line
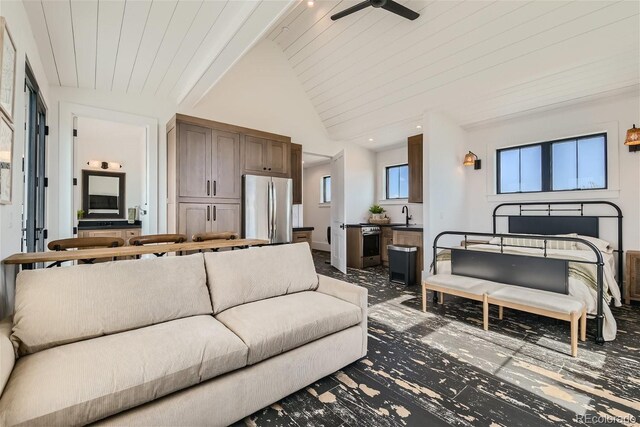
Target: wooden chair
80 243
157 239
205 237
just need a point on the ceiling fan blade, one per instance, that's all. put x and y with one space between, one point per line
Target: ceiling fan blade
350 10
399 9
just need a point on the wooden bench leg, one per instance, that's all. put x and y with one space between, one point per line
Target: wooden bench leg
485 312
574 333
500 312
441 297
583 325
424 297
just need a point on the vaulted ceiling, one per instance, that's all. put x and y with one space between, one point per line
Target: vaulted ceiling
374 74
165 48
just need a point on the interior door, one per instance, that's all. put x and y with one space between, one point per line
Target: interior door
194 154
338 214
227 183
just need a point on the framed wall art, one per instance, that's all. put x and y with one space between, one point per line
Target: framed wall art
6 159
7 70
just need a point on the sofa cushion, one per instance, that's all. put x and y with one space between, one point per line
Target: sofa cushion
62 305
272 326
82 382
239 277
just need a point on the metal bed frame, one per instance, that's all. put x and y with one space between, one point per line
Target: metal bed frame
541 226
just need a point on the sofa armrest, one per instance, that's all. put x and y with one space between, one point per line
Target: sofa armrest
7 353
348 292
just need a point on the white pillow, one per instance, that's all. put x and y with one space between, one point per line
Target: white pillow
535 243
603 245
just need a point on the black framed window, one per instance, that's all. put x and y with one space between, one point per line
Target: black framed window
325 193
562 165
397 181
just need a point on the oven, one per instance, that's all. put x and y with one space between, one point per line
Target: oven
370 236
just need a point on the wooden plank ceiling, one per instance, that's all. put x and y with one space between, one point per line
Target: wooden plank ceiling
373 74
158 48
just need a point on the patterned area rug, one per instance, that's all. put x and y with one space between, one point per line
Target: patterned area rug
441 368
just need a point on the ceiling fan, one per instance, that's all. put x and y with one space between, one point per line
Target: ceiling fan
389 5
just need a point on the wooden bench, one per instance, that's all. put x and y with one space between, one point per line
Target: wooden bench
543 303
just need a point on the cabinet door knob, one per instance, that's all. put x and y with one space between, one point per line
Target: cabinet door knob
264 169
208 188
208 213
215 213
215 187
269 168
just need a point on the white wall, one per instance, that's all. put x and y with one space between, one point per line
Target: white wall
10 215
393 208
359 183
612 115
315 214
113 142
446 206
262 91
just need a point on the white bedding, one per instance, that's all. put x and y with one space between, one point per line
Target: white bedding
577 288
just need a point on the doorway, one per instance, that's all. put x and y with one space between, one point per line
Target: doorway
34 232
154 221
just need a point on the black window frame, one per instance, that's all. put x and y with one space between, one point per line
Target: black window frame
323 193
547 164
386 181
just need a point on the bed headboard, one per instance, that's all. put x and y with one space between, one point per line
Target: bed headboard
581 217
584 225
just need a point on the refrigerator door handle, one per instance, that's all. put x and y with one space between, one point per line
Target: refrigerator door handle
275 210
269 209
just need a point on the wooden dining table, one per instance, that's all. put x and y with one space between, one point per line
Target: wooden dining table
27 259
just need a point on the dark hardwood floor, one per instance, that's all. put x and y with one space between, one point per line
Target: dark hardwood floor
441 368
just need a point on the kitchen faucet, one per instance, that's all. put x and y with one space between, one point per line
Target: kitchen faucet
407 217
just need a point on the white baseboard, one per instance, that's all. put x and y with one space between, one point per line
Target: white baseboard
321 246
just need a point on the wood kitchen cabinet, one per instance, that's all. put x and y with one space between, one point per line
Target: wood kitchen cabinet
208 163
296 173
414 146
386 238
205 163
266 157
205 217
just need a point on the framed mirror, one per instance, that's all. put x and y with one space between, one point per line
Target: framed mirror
103 194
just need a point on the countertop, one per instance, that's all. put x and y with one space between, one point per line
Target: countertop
107 224
303 229
410 227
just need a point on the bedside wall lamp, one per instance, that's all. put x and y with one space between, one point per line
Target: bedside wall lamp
633 139
104 165
471 159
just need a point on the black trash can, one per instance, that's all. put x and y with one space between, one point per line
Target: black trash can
402 264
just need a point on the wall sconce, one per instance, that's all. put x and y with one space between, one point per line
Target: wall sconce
633 139
104 165
470 159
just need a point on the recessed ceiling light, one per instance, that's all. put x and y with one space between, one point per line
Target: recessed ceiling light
310 3
418 127
370 139
285 29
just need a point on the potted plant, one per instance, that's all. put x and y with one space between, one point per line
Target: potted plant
80 214
377 212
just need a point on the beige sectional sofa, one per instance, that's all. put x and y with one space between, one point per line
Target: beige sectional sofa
193 340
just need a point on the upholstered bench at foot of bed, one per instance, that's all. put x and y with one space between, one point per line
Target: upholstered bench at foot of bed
461 286
543 303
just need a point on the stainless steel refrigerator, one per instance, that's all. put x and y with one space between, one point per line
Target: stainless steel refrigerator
267 208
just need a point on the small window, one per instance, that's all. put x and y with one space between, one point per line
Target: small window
397 181
325 191
563 165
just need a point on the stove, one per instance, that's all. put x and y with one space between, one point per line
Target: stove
363 246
